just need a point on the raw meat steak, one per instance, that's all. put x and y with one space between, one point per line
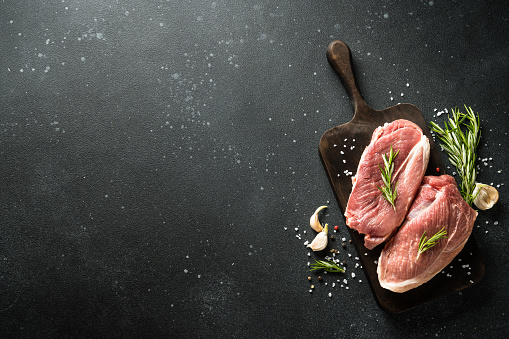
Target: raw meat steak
438 204
367 210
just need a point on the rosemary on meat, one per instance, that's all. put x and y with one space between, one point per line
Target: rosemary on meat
425 243
460 139
388 191
327 265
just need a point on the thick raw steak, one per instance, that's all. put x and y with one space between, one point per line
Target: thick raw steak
438 204
368 211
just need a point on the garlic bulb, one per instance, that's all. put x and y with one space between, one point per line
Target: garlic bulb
485 196
320 241
314 222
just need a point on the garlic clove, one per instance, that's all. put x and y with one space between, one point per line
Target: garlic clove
320 241
485 196
314 222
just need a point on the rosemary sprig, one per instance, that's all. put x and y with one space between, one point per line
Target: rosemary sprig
388 191
460 139
425 243
327 265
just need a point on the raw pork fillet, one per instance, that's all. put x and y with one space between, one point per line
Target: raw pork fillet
438 204
367 210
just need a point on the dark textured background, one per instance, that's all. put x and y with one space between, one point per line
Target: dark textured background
157 157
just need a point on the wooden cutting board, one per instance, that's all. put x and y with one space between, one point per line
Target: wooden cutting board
340 150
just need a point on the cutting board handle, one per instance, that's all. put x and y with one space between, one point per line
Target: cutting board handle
340 58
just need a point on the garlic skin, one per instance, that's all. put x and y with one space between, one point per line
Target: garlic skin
485 196
320 241
314 222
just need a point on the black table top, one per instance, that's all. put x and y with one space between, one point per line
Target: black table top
159 163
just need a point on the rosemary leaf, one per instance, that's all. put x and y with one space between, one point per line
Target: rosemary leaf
460 139
327 265
425 244
388 191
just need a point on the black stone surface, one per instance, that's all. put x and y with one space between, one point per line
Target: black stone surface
159 160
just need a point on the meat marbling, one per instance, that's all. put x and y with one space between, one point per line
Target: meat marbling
438 204
367 210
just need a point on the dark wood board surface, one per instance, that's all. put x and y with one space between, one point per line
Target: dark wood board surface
340 150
